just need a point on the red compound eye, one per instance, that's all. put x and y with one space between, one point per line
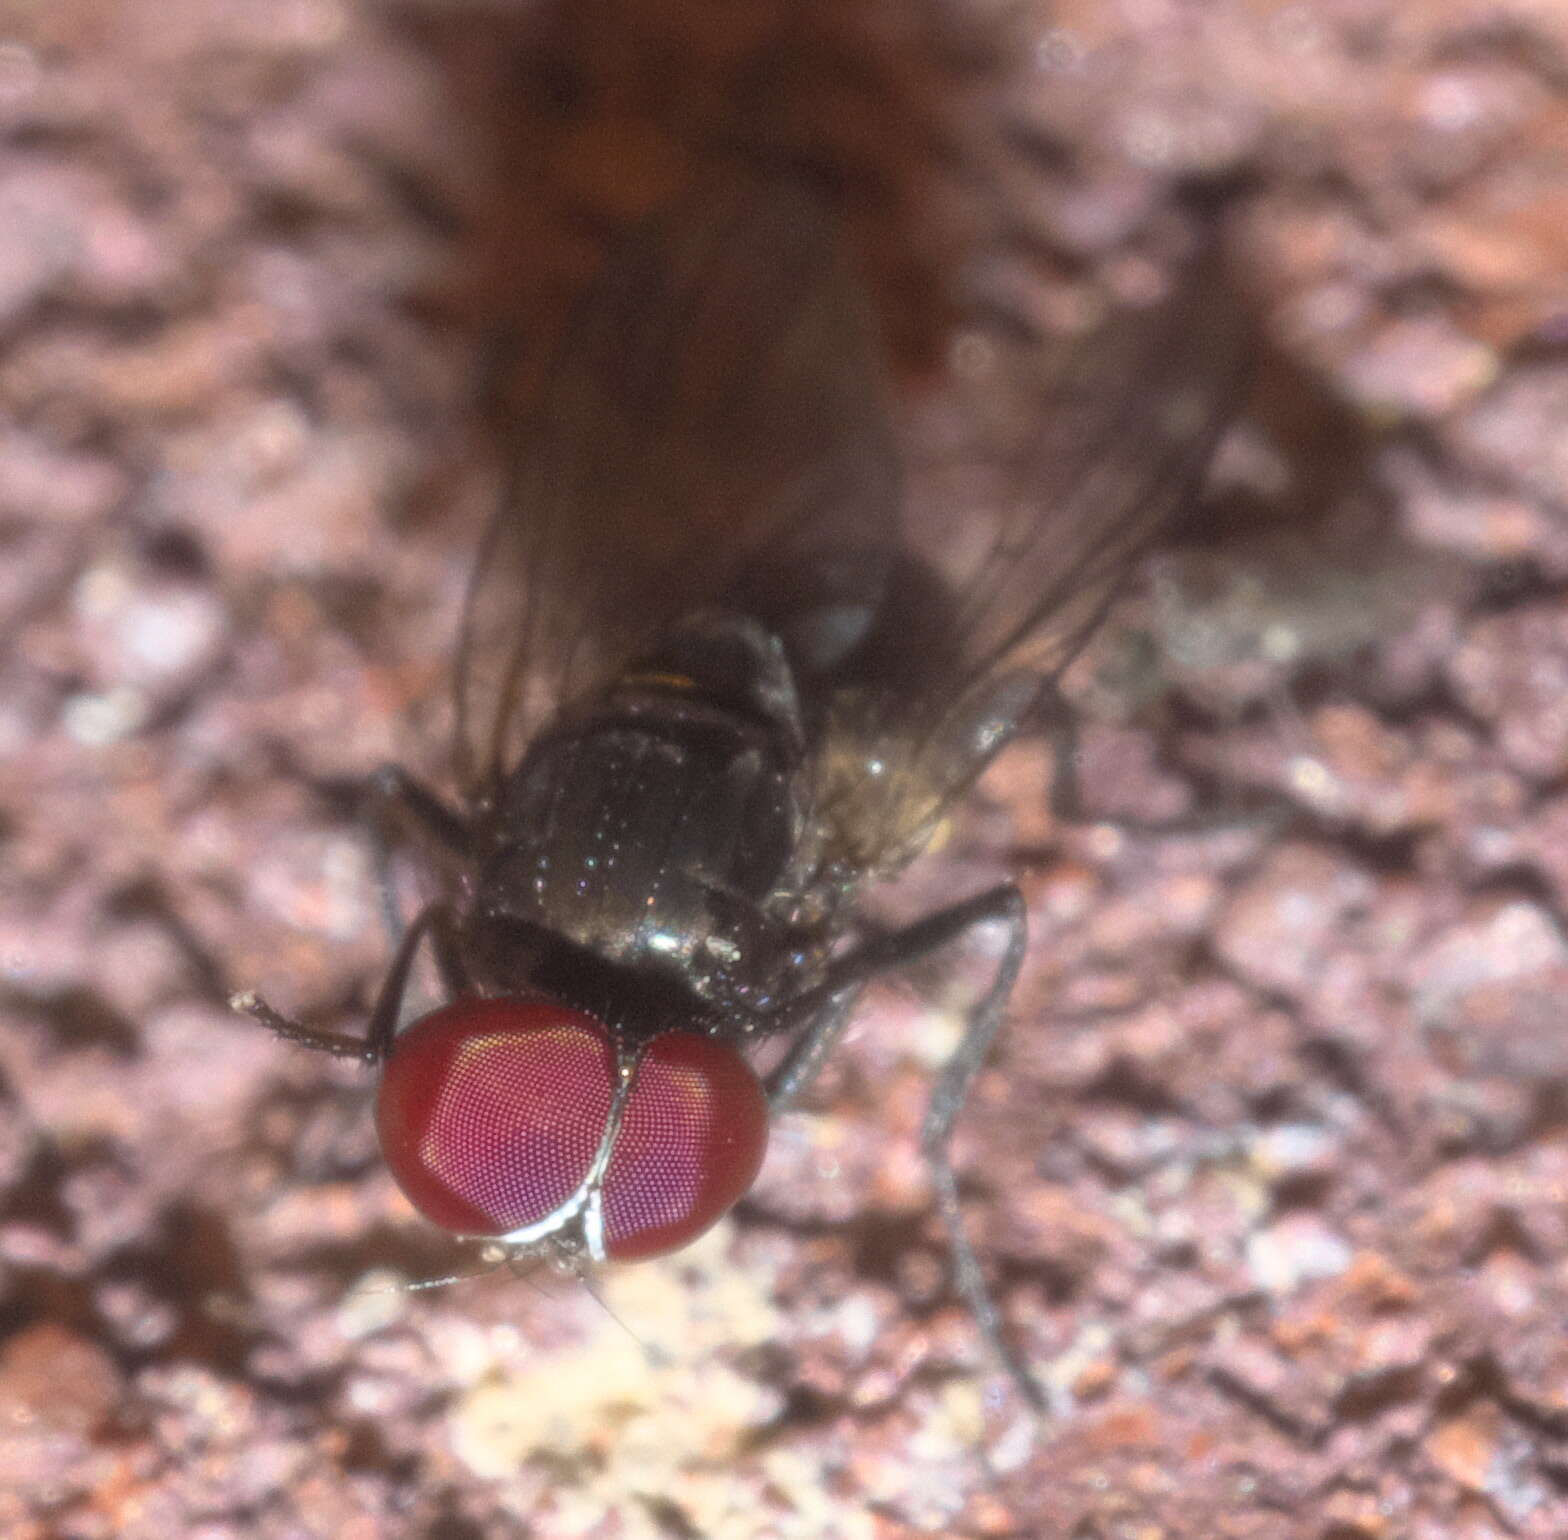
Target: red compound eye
491 1112
690 1144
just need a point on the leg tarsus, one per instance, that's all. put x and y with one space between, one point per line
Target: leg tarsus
969 1279
1003 905
835 1000
381 1027
338 1044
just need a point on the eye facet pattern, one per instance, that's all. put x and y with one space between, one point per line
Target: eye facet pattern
491 1113
690 1145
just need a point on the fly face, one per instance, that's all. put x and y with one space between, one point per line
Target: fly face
524 1120
730 651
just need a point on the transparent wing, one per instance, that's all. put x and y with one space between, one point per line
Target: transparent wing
714 431
1036 478
1063 458
717 398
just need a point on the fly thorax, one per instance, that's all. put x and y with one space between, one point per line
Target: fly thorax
654 828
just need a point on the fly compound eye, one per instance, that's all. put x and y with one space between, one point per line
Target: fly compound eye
491 1114
690 1144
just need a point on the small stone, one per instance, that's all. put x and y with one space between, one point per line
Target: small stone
1297 1249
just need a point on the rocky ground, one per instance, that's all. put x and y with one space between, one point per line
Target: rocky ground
1271 1170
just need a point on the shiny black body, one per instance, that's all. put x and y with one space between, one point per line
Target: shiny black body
735 644
651 836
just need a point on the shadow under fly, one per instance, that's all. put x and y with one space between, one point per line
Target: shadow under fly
736 638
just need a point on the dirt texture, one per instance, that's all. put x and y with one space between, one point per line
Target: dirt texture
1270 1172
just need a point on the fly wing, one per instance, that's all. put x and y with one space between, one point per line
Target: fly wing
1063 458
1036 478
717 396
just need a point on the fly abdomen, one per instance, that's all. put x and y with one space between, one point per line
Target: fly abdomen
653 825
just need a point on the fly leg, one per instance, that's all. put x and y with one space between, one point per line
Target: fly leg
394 791
435 920
833 1002
1005 906
1067 797
442 826
798 1068
400 803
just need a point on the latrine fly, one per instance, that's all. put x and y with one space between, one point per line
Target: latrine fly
737 637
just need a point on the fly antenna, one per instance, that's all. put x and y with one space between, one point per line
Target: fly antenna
421 1285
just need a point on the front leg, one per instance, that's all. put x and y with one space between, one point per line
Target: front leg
441 827
400 805
436 919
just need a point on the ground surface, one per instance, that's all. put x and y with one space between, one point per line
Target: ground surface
1272 1169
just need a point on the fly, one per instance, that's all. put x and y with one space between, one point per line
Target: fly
731 650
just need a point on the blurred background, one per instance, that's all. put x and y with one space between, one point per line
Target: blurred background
1270 1170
